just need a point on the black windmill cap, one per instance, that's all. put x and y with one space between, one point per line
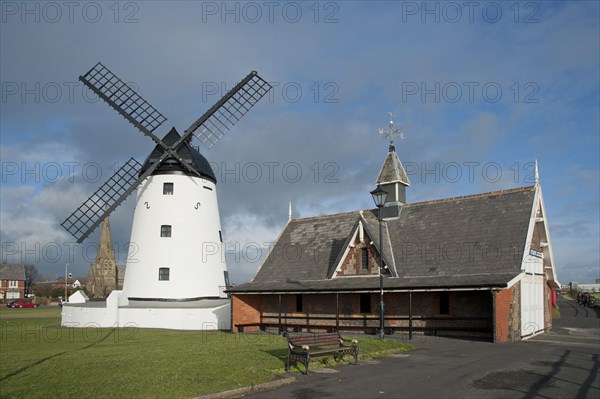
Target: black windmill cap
170 165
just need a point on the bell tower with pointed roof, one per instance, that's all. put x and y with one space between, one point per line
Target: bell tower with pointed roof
392 176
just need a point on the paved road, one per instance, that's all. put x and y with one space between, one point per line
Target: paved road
563 363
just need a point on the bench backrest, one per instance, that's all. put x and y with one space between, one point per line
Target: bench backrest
315 339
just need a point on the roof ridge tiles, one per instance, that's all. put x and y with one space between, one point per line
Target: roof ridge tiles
480 195
326 216
435 201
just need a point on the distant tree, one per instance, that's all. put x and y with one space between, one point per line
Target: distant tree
43 287
56 292
32 276
85 291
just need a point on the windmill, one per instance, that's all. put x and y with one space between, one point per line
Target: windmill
176 232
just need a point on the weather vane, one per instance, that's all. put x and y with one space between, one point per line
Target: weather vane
393 131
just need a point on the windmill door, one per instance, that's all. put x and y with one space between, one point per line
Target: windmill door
532 297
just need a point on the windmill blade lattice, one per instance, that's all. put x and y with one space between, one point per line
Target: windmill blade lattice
110 195
123 99
221 117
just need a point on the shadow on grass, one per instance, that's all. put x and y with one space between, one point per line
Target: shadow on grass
27 367
280 354
316 361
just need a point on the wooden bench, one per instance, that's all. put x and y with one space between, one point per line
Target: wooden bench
302 346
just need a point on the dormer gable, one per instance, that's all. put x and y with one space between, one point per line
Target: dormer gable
361 255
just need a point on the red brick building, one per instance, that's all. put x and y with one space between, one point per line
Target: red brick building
479 265
12 281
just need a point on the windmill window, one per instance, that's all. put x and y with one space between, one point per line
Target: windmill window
365 259
165 230
365 303
167 188
444 302
163 274
220 236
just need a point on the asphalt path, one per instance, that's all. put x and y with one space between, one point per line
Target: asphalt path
562 363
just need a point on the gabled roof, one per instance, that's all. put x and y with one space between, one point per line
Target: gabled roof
392 170
371 224
456 242
308 248
186 151
12 271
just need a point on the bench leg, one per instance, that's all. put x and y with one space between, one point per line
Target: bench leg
306 363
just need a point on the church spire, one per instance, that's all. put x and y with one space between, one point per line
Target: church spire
105 248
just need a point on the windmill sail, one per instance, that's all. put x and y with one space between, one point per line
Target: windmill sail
221 117
110 195
124 100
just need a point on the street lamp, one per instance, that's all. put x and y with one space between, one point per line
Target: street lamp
66 276
379 195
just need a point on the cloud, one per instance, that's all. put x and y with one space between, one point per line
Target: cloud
350 71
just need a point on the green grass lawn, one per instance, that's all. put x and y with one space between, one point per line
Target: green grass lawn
39 359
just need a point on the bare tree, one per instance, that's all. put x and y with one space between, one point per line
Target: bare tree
31 277
44 289
44 285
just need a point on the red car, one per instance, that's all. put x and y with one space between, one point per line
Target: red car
24 305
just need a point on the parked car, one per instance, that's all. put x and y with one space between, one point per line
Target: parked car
19 304
10 304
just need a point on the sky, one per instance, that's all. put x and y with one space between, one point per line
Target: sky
480 89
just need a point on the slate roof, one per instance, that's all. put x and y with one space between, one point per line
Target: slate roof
392 169
186 151
12 271
308 248
471 241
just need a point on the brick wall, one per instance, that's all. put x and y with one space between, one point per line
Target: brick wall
508 314
352 263
4 286
470 310
320 303
245 309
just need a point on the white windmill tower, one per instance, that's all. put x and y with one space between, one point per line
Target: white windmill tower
176 221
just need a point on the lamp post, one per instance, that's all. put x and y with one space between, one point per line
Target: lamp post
66 276
379 195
